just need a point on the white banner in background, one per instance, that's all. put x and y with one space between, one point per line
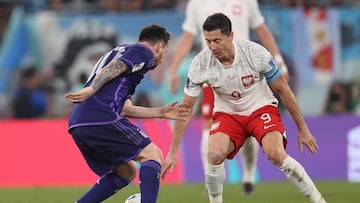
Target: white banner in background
354 155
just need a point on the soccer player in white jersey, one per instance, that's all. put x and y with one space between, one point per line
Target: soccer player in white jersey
245 15
240 73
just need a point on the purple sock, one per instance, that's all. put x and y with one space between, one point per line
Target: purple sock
149 181
106 186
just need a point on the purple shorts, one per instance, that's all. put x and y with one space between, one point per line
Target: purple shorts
104 146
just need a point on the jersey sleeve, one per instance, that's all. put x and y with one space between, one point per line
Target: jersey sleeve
190 23
192 89
256 18
137 58
194 83
264 62
273 70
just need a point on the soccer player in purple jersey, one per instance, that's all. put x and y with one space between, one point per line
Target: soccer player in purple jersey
109 142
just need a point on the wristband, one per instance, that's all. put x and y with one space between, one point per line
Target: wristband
280 61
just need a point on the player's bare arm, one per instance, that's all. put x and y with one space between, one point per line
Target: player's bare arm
267 40
109 72
281 86
182 50
170 111
178 132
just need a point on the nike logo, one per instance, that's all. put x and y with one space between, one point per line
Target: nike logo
268 126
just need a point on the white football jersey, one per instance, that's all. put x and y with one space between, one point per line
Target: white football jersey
244 14
240 88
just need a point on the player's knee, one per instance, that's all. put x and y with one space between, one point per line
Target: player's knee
157 155
151 152
276 155
216 156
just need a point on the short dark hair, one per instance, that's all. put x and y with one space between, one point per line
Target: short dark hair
218 21
29 72
153 34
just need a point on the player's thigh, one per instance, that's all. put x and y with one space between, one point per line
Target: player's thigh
94 160
266 126
220 143
265 120
230 126
150 152
273 147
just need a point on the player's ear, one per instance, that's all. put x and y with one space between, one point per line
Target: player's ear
231 35
159 47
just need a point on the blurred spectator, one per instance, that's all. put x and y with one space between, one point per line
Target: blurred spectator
68 5
142 100
310 3
338 99
82 80
182 72
161 4
30 100
79 5
292 3
121 5
355 93
282 3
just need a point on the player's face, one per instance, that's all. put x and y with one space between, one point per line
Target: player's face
219 44
161 50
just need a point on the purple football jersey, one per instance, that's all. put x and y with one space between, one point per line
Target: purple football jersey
105 106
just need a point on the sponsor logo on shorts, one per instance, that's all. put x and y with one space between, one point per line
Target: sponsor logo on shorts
215 126
143 134
268 126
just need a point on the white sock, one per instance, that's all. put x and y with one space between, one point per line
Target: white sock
204 147
214 179
297 175
250 154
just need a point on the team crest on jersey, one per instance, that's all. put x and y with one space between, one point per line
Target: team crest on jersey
247 80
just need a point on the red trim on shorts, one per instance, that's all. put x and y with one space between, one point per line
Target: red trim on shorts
207 103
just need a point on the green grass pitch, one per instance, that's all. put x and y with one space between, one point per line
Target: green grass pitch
266 192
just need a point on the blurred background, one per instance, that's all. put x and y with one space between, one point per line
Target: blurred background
47 48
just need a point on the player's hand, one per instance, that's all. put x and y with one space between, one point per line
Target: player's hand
285 74
177 112
174 82
281 63
308 140
81 95
168 163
